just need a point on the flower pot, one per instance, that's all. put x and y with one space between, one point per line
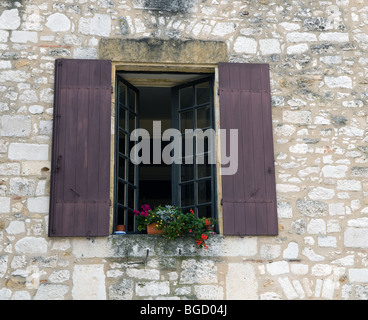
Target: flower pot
120 227
151 229
211 229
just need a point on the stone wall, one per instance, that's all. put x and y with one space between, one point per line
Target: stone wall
319 76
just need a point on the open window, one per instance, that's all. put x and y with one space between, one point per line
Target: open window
80 189
158 103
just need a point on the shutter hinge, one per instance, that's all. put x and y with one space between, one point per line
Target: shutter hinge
222 201
112 89
218 92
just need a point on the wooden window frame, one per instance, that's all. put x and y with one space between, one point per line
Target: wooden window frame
168 68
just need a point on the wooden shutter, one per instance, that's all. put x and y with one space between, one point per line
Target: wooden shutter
80 181
249 196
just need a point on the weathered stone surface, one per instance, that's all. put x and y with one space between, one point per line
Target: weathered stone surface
316 52
241 282
9 19
58 22
15 126
155 50
31 245
98 25
356 237
51 292
89 282
28 151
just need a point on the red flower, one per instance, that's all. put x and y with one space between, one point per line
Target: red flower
191 211
208 222
204 236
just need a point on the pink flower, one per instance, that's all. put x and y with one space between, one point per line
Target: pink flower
145 207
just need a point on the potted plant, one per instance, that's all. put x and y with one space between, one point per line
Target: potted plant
153 220
120 228
172 223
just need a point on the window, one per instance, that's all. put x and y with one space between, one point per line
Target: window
155 107
80 197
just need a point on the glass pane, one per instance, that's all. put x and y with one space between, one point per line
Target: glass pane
121 215
187 194
204 191
203 117
121 192
204 211
122 93
132 118
186 98
187 145
122 118
131 197
130 221
186 120
203 168
131 172
202 93
122 143
131 100
186 172
122 170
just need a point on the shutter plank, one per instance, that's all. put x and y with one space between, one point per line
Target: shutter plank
249 196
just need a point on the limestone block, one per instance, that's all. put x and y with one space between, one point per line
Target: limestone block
209 292
38 204
241 282
152 288
358 275
339 82
245 45
58 22
31 245
99 25
3 265
9 169
269 46
297 49
356 237
321 193
9 19
28 151
121 291
22 187
4 205
24 36
201 271
48 291
16 227
334 171
89 282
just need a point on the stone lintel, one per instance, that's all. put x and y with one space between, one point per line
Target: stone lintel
148 50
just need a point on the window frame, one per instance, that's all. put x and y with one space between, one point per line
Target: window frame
176 110
128 210
211 70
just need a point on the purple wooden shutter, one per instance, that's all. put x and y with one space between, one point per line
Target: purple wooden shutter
249 196
80 181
